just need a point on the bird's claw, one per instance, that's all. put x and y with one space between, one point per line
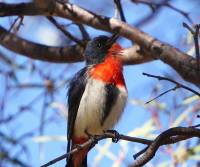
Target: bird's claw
116 137
93 137
78 146
89 135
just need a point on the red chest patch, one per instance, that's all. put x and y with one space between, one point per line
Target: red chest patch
109 71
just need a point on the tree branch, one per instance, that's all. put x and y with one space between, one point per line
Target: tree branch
165 3
94 140
65 32
68 54
178 85
195 34
184 64
120 9
160 140
40 52
169 136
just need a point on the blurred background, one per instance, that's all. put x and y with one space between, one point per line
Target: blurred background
33 108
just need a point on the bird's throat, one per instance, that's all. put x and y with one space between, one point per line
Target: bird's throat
109 71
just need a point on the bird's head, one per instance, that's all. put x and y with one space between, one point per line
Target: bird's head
98 48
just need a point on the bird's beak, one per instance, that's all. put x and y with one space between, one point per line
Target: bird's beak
112 40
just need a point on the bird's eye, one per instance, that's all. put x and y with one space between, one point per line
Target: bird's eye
99 45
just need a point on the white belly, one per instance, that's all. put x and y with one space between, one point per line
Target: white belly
91 108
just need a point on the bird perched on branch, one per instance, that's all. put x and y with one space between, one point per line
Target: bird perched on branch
97 95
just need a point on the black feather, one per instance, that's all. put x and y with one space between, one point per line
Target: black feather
75 92
112 93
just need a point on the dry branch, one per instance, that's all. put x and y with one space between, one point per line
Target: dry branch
38 51
178 85
170 136
68 54
184 64
150 152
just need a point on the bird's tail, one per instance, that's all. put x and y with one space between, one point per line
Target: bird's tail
78 159
72 163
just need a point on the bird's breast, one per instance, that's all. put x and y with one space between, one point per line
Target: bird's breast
110 71
93 116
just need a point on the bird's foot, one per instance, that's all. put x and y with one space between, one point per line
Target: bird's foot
93 137
89 135
78 146
116 137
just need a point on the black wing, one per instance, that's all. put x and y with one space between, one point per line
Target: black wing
112 93
75 92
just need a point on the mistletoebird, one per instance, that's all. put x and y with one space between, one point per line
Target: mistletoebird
97 96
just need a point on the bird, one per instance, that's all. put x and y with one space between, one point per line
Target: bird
97 95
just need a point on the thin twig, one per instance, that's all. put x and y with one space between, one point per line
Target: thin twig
84 33
120 9
20 18
61 28
175 82
196 41
155 6
195 34
165 92
19 24
188 27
